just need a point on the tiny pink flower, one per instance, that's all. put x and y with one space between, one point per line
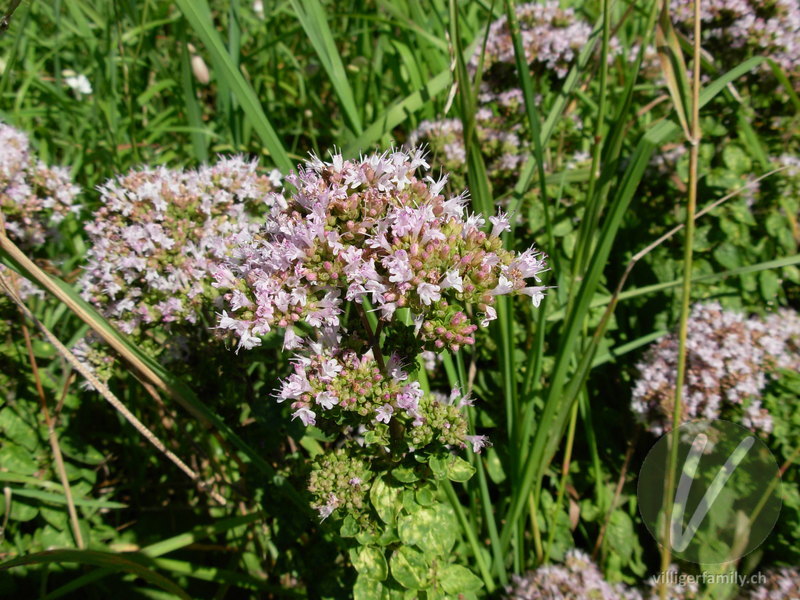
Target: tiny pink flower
306 415
327 400
384 413
428 293
452 279
478 442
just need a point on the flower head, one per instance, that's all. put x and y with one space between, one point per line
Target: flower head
371 229
34 198
159 239
729 361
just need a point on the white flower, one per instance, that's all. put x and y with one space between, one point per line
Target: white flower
329 369
490 315
258 8
428 293
504 286
452 279
478 442
500 223
536 293
291 341
307 416
384 413
275 177
78 83
327 400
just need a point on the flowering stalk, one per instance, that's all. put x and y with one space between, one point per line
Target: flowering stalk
694 148
372 240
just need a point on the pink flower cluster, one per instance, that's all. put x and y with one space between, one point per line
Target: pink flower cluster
577 577
552 37
338 379
372 231
729 360
159 235
498 125
782 583
733 29
34 198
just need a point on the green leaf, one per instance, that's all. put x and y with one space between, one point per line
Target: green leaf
367 589
349 527
22 510
388 536
17 460
409 568
770 285
674 68
426 495
438 467
728 255
433 530
17 430
386 500
61 499
456 579
405 474
409 502
720 83
458 469
620 535
736 159
312 17
370 562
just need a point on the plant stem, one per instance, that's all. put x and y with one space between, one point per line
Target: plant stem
694 147
573 418
5 20
374 338
537 534
58 458
589 221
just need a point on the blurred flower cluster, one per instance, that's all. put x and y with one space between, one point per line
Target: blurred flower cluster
729 359
159 235
34 198
782 583
551 36
497 135
736 29
577 577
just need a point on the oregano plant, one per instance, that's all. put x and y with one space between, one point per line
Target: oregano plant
364 265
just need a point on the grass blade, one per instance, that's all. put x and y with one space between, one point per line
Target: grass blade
312 17
199 17
536 460
95 558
